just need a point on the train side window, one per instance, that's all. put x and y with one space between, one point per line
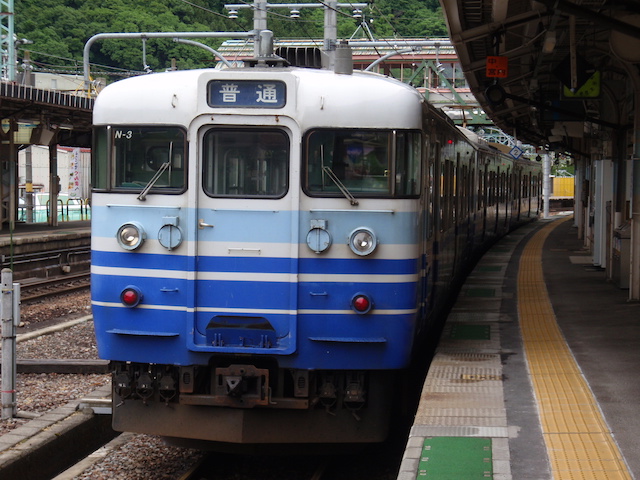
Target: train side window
408 161
100 159
246 163
139 154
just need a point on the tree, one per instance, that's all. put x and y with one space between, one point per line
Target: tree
59 29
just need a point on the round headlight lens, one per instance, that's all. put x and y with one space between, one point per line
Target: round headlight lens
362 241
130 236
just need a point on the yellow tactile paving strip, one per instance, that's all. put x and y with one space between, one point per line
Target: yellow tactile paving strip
578 440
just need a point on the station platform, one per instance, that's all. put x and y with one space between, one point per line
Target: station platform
535 376
27 232
41 250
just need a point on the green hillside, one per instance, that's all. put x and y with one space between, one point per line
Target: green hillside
60 28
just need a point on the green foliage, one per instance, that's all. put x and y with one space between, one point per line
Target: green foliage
59 29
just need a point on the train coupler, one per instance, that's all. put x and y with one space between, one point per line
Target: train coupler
243 386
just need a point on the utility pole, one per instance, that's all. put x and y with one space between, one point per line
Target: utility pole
7 308
262 7
259 23
546 183
330 31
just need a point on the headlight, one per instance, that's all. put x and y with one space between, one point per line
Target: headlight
362 241
130 235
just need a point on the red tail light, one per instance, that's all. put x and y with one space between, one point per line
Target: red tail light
131 296
361 303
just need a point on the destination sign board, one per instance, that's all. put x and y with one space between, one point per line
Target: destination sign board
247 93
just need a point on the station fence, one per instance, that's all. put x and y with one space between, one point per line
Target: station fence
69 210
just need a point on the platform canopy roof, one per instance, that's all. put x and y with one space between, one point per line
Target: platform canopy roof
551 72
62 114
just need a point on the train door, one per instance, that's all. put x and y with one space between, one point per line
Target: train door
246 248
508 205
430 151
497 198
517 190
437 206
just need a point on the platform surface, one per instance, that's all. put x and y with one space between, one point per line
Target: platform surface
535 373
23 233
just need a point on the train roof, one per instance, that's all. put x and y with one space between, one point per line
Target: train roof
361 99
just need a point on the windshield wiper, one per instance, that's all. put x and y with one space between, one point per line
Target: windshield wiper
348 195
143 194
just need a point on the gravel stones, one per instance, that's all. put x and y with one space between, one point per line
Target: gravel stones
38 393
141 456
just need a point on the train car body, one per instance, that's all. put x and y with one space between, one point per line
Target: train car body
269 244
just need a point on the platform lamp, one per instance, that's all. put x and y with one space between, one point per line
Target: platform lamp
495 94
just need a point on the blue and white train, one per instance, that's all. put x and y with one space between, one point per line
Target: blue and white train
271 242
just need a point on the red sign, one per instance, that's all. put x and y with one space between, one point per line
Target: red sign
497 67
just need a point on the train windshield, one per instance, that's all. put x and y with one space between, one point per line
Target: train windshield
246 163
364 162
133 158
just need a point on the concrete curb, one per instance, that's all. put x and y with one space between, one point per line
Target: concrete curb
47 445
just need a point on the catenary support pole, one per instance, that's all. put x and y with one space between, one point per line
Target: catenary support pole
546 183
8 345
634 281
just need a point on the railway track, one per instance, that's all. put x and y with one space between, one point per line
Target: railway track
133 456
280 467
38 288
373 462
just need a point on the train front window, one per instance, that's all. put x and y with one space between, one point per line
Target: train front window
246 163
140 154
367 163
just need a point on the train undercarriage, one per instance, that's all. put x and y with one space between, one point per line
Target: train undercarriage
246 403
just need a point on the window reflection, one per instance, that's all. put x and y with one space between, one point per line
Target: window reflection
246 163
366 163
140 152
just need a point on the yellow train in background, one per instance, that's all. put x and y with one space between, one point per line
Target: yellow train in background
562 192
562 187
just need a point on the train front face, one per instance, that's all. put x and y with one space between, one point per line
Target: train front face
256 252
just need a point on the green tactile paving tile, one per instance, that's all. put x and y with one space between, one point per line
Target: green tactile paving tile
470 332
480 292
455 458
489 268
